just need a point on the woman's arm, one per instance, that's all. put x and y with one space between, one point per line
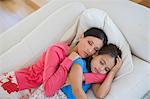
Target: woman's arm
53 56
90 78
55 71
75 78
102 90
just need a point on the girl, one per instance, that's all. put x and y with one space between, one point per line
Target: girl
51 68
108 59
107 62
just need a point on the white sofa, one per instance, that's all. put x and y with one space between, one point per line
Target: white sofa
21 46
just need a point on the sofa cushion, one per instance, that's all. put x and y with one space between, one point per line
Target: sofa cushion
98 18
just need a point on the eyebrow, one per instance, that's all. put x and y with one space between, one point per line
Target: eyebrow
92 42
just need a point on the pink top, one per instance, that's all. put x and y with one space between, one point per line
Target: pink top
51 70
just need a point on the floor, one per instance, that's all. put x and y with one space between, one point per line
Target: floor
143 2
12 11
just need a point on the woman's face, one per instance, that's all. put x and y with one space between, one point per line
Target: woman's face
87 46
102 64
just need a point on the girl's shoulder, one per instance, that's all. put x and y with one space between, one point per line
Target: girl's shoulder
80 62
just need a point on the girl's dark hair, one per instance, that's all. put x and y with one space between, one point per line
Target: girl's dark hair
109 49
98 33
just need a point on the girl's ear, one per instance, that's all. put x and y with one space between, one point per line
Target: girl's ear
94 55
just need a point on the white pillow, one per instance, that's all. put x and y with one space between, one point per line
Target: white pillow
98 18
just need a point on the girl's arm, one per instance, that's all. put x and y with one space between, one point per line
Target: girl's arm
75 78
102 90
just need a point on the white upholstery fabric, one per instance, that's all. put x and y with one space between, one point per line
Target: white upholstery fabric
132 19
32 45
16 33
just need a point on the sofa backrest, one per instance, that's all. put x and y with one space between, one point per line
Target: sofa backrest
16 33
49 31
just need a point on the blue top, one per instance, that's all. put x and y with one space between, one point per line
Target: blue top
67 90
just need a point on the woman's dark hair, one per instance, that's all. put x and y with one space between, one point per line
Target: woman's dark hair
98 33
109 49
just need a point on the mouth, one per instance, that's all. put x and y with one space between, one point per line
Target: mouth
85 53
95 70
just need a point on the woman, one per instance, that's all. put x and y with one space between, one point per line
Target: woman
107 60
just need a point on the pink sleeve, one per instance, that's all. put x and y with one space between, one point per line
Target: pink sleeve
57 80
51 62
94 78
56 67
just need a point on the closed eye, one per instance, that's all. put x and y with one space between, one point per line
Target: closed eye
101 63
90 42
107 69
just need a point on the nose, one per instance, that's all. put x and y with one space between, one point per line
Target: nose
90 50
98 69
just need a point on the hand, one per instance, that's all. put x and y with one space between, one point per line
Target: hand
117 66
73 56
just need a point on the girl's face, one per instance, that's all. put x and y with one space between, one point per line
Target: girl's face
102 64
87 46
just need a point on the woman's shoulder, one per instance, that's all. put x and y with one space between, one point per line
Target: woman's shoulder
60 46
